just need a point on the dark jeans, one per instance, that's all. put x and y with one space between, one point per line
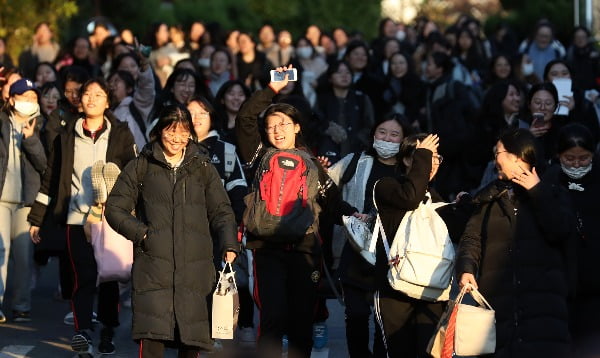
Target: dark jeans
82 259
408 323
286 285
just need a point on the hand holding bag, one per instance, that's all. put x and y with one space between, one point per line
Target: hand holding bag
226 305
475 326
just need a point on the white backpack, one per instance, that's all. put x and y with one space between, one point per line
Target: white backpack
421 256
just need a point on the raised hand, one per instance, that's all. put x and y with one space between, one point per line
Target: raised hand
431 142
277 86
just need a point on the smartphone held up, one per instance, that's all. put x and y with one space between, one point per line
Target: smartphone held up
280 76
538 120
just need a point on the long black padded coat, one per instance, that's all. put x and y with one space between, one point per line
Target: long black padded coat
514 245
173 270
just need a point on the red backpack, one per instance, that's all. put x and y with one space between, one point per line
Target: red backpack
282 206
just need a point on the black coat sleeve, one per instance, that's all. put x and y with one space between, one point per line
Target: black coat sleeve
49 185
552 211
122 201
246 126
469 249
219 212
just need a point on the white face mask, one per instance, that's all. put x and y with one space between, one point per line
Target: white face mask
26 109
304 52
204 62
400 35
576 173
386 149
527 69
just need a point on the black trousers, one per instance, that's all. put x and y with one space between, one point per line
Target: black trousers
408 323
82 259
358 311
285 290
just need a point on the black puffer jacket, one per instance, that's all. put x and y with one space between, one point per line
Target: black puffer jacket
513 244
173 268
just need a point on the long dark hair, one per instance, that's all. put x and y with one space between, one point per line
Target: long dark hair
408 148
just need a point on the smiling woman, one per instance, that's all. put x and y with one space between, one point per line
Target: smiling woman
92 137
287 302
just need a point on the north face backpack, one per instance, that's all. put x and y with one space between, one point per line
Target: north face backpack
282 205
421 256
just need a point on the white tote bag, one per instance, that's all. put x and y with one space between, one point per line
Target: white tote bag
475 332
226 305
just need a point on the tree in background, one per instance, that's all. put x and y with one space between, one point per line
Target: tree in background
247 15
18 19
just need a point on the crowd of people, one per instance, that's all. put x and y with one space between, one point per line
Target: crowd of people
168 138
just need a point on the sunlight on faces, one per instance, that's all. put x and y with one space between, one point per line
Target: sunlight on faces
558 70
44 74
183 89
234 98
72 89
130 65
502 67
507 163
200 119
49 101
358 59
512 101
342 78
398 65
94 101
174 139
389 131
281 130
219 63
576 157
543 102
118 88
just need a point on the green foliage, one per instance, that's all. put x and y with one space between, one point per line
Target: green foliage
247 15
18 19
523 15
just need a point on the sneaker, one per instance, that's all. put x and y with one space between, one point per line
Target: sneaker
2 317
246 336
106 345
110 172
98 184
320 335
21 316
82 344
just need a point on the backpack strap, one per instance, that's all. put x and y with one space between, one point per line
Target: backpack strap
229 157
350 169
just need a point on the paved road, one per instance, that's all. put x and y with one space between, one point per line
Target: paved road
48 337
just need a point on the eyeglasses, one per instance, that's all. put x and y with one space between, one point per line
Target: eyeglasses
72 93
437 159
540 104
179 137
282 126
196 115
94 95
496 153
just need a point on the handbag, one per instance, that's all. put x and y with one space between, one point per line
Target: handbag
113 253
464 330
359 237
226 305
475 326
